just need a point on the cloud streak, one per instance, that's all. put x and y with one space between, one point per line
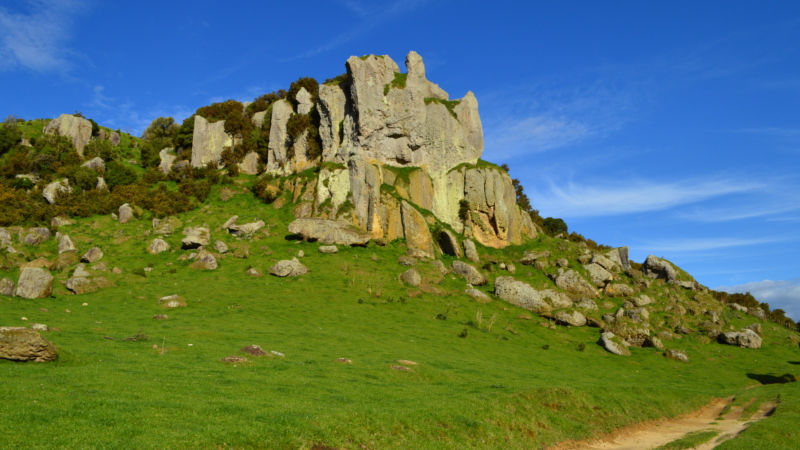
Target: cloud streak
703 244
36 39
572 200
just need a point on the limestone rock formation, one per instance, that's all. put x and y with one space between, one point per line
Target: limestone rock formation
418 236
78 129
125 213
34 283
278 147
167 158
24 344
208 141
328 231
249 165
524 295
655 267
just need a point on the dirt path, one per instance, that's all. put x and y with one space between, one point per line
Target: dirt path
657 433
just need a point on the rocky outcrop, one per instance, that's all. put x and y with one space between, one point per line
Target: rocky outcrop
249 165
78 129
34 283
524 295
571 282
167 158
208 141
278 148
745 338
328 231
655 267
415 229
24 344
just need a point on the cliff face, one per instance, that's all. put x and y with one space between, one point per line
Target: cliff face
387 137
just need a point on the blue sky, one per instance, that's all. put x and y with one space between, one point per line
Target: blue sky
670 127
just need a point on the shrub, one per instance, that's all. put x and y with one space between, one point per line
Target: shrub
10 135
118 174
184 136
102 148
553 226
311 86
463 209
198 189
161 128
232 112
83 178
153 175
266 190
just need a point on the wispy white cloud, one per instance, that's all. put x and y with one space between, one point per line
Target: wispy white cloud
37 37
739 212
783 294
596 199
690 245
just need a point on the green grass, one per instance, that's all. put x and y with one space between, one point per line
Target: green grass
399 82
449 104
691 440
496 388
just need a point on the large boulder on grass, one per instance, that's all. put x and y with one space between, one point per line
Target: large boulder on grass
572 282
468 272
195 237
614 344
524 295
34 283
157 246
125 213
411 277
329 231
24 344
92 255
655 267
745 338
288 268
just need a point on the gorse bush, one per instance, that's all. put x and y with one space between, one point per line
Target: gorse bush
118 174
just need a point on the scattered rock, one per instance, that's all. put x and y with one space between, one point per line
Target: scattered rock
65 244
40 327
6 287
288 268
756 327
745 338
677 355
411 277
220 247
572 282
254 350
60 221
531 256
125 213
205 261
344 360
479 296
655 267
92 255
161 317
469 273
587 304
23 344
172 301
328 249
757 313
618 290
329 231
598 274
470 251
523 295
655 342
234 359
737 307
406 260
34 283
253 272
614 344
195 237
157 246
245 229
401 368
440 267
571 318
36 236
642 300
80 285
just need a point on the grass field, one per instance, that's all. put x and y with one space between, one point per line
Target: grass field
487 375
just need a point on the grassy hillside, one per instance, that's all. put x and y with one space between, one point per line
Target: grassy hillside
486 374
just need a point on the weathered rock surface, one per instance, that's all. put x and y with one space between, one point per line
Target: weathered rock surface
480 296
92 255
78 129
125 213
598 274
54 189
36 235
448 243
205 261
571 318
618 290
288 268
34 283
220 247
469 273
470 251
245 229
655 267
411 277
65 244
96 164
24 344
328 249
249 165
83 285
278 147
157 246
524 295
572 282
614 344
208 141
167 158
195 237
304 102
745 338
417 233
6 287
677 355
329 231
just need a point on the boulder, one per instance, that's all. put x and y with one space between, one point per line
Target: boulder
469 273
166 226
618 290
167 159
34 283
587 304
614 344
757 313
205 261
329 231
36 236
157 246
572 282
245 229
195 237
80 271
54 189
655 267
737 307
328 249
745 338
125 213
78 129
80 285
220 247
571 318
605 263
208 141
101 184
304 101
65 244
756 327
531 256
415 229
249 165
677 355
411 277
96 164
92 255
523 295
253 272
24 344
288 268
655 342
480 296
642 300
6 287
619 256
598 274
470 251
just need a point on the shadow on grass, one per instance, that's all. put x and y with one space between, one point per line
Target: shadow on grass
796 363
772 379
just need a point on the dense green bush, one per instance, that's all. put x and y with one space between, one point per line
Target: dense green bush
553 226
232 112
161 128
10 135
102 148
311 86
263 102
266 189
183 138
118 174
83 178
